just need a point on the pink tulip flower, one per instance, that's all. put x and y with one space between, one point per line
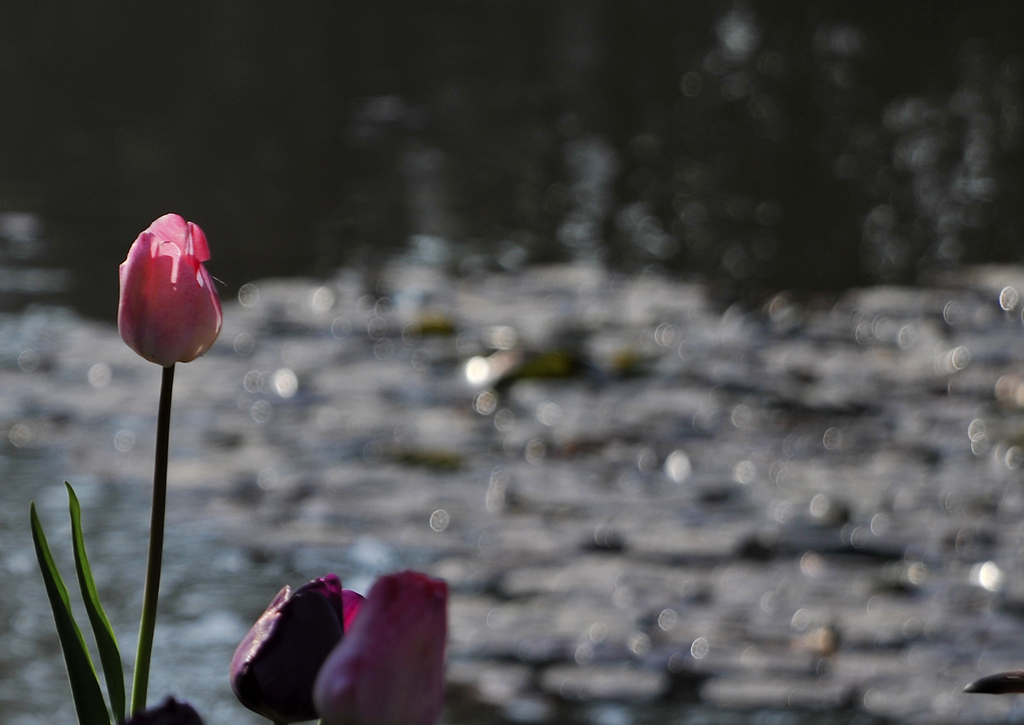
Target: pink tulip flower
389 668
276 664
169 311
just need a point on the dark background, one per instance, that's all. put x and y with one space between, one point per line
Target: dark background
804 144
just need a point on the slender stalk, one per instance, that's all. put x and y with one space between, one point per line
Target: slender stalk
140 680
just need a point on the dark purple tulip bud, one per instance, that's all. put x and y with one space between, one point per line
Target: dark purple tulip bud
275 666
170 712
1004 683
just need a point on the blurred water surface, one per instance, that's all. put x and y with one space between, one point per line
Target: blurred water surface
810 144
651 504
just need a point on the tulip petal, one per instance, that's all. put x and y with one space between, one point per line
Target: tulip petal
169 310
170 227
276 664
389 668
352 603
329 587
200 249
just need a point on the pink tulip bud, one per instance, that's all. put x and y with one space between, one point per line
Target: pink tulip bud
389 668
276 664
169 311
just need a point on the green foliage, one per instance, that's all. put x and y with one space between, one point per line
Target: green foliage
85 687
110 656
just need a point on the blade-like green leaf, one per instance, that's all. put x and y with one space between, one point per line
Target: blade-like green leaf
85 688
110 656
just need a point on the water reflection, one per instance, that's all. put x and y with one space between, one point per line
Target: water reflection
758 144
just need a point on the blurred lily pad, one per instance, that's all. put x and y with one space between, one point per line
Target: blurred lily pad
429 458
433 323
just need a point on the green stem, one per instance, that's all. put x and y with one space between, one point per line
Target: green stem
140 680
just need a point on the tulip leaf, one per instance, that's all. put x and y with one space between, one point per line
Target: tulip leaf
106 643
85 688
